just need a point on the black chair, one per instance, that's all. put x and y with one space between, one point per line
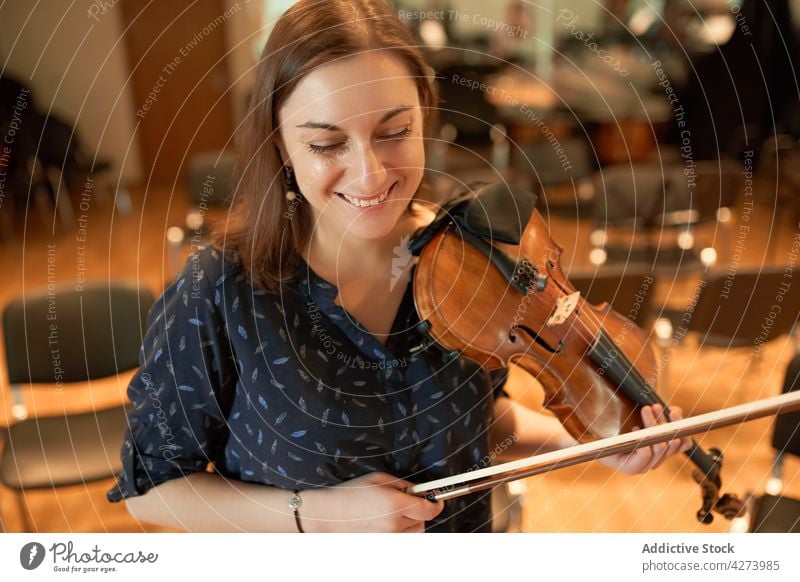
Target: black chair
627 290
773 512
737 309
716 189
663 208
48 161
210 180
779 164
628 199
69 166
22 175
63 337
465 108
562 176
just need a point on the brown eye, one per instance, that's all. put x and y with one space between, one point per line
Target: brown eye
319 149
405 132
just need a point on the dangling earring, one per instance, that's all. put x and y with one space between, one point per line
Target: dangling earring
292 191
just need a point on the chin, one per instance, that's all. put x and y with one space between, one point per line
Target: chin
376 226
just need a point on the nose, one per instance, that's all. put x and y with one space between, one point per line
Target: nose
368 173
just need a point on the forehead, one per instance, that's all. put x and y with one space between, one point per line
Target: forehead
352 88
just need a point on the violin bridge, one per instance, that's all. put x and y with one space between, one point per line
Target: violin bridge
564 307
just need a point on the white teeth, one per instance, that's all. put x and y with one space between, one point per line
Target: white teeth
366 203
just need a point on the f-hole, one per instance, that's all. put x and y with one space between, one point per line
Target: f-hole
535 337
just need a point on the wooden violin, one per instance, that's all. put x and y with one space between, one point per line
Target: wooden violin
489 286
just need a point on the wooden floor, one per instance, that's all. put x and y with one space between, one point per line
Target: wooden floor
588 498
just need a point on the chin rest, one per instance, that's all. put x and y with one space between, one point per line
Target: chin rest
494 212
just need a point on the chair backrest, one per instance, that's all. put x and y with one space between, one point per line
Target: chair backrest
556 165
717 185
627 290
745 308
463 107
63 335
635 191
211 178
17 108
60 144
786 433
710 186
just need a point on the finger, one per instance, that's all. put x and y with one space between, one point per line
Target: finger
378 478
421 509
417 527
391 481
658 414
659 454
638 461
635 459
664 415
674 447
403 524
648 417
675 413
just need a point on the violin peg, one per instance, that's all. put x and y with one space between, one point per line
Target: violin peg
705 518
427 342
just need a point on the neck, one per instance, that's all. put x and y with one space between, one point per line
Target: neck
336 254
345 255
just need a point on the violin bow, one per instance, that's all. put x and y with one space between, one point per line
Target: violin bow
481 479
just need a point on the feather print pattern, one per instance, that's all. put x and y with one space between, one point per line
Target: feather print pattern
289 391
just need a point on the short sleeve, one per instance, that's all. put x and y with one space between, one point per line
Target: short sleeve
182 392
499 378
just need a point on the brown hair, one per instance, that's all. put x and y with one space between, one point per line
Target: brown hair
264 231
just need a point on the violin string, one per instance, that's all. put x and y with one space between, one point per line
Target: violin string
698 456
589 335
596 335
592 335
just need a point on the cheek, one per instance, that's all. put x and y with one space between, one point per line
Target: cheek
410 157
316 172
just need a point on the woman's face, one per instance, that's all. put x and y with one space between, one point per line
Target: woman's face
352 132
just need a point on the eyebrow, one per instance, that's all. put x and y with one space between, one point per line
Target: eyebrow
330 127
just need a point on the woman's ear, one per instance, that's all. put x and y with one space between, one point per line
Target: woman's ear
281 147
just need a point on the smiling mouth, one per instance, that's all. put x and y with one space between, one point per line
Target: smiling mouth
366 202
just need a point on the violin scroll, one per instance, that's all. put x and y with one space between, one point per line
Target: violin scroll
727 505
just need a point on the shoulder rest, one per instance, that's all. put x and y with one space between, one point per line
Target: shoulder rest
497 212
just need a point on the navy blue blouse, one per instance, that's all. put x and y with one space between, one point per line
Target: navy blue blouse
290 391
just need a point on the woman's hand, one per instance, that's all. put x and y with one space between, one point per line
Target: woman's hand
647 458
375 502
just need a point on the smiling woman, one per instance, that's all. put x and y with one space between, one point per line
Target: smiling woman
362 110
280 388
361 162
